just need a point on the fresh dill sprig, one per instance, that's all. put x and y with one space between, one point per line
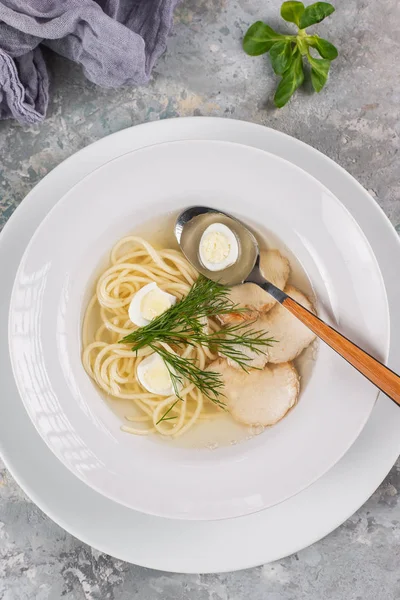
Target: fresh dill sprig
165 417
179 324
183 324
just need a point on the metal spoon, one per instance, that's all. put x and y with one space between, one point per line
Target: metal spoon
189 227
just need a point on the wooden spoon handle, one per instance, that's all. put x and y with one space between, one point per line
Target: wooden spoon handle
385 379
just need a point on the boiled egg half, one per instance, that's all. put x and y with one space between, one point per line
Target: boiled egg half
154 376
148 303
219 247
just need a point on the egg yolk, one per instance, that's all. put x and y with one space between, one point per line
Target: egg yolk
215 247
154 304
157 376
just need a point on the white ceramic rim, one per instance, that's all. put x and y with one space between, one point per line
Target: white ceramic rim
310 515
70 413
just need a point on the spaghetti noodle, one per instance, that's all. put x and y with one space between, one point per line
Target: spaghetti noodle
113 366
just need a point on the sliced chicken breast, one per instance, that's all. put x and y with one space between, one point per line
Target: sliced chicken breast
260 397
291 335
276 269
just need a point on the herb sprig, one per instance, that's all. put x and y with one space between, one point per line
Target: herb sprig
165 416
287 51
183 324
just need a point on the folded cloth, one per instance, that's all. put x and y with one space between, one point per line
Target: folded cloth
116 41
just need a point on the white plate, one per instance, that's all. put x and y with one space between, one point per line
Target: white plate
51 291
189 546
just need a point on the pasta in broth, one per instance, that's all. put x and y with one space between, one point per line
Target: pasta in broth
113 366
172 348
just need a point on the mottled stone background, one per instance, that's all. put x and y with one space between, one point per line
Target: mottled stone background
355 121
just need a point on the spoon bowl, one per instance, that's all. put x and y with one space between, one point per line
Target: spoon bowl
190 226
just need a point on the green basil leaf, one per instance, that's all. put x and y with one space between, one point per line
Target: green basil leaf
291 80
325 48
292 11
281 56
259 38
319 72
315 13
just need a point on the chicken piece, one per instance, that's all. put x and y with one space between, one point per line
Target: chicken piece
291 336
260 397
276 269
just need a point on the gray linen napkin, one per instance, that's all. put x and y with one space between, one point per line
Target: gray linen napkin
116 41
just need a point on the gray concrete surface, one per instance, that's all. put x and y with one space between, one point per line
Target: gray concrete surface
355 121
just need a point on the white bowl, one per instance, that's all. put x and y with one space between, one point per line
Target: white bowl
51 290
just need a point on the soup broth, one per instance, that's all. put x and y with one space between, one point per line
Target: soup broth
221 429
